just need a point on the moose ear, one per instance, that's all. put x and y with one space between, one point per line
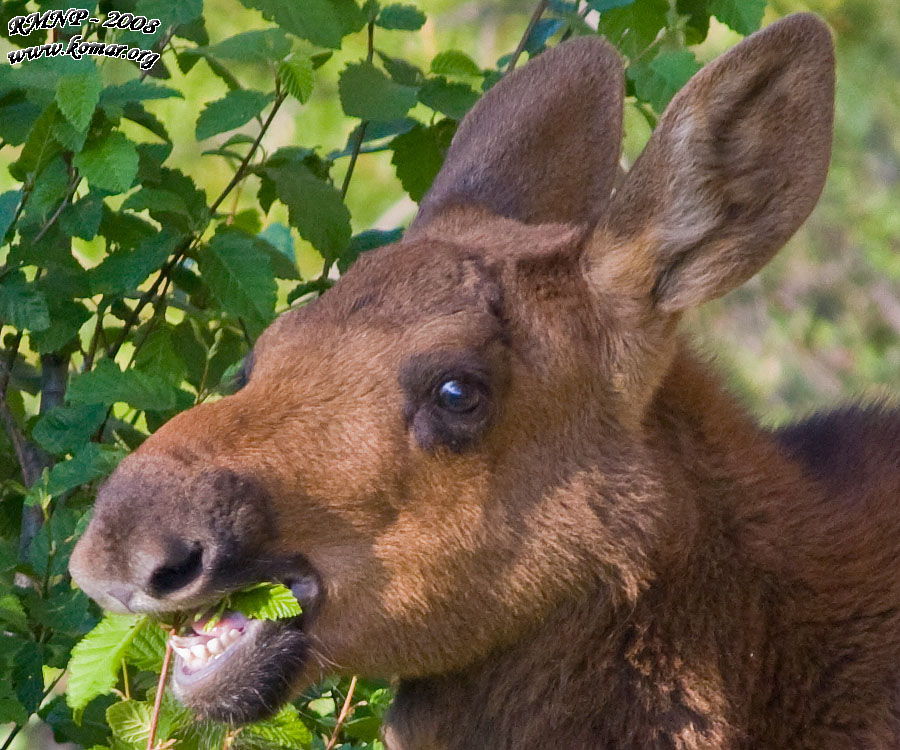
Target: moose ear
542 145
735 166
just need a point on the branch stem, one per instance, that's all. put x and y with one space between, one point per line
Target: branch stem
535 17
342 716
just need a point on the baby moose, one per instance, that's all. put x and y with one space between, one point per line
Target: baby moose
490 469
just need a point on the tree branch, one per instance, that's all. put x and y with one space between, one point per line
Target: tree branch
535 17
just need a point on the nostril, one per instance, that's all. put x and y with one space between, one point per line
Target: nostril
177 573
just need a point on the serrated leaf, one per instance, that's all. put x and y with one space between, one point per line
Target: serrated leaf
369 94
124 270
21 305
9 204
419 154
157 355
744 16
240 277
297 77
107 384
156 200
451 99
315 208
90 463
401 16
40 146
365 241
130 722
452 62
12 614
147 648
634 27
401 71
82 218
67 428
11 710
659 80
109 164
285 729
66 319
260 45
236 108
97 658
135 90
265 601
323 22
697 19
77 96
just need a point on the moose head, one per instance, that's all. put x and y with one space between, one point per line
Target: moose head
468 432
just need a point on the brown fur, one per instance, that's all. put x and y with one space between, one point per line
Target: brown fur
605 551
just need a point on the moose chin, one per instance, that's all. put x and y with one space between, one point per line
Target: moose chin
489 467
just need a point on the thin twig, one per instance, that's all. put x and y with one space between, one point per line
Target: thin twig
240 173
342 716
535 17
160 686
52 220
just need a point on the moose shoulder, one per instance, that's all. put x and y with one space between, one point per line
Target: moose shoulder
489 468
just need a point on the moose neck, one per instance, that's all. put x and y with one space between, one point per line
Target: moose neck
668 669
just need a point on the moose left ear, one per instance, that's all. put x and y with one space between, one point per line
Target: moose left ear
542 145
735 166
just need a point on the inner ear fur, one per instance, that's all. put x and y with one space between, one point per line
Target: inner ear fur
542 145
734 168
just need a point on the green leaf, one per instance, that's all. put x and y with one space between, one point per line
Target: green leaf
454 63
66 319
90 463
744 16
323 22
109 164
236 108
369 94
285 729
9 204
401 71
603 5
39 148
419 154
97 658
130 722
107 384
659 80
297 77
21 305
156 201
11 710
261 46
696 14
265 601
77 96
147 648
401 16
136 90
12 613
158 356
82 218
65 428
451 99
633 28
124 270
240 277
315 208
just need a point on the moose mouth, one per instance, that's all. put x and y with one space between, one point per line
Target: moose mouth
241 670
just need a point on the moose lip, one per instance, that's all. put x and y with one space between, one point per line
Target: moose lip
202 652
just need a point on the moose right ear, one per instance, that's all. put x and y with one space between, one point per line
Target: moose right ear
543 144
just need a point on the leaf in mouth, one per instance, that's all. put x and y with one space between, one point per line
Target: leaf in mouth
262 601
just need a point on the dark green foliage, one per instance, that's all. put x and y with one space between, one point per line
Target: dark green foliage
130 289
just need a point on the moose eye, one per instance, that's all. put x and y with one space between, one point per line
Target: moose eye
457 396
